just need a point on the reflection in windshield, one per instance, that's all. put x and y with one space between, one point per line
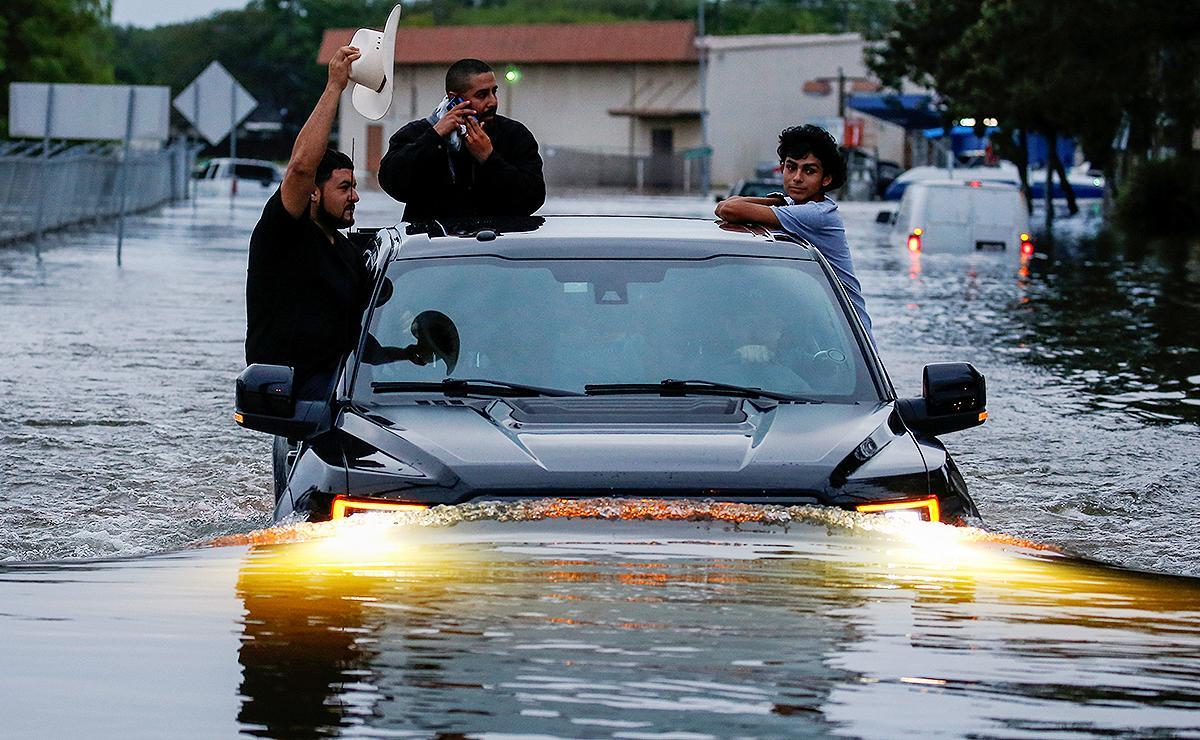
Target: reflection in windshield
768 323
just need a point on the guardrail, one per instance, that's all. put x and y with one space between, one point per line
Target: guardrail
42 189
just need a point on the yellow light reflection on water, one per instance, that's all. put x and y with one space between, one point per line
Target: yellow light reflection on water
910 549
467 605
361 540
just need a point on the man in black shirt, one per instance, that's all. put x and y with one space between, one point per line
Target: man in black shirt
307 285
465 160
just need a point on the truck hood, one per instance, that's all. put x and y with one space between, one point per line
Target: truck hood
598 445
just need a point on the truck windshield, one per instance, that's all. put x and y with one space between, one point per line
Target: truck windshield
773 324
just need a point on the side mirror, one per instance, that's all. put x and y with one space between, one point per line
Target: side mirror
885 217
265 403
954 397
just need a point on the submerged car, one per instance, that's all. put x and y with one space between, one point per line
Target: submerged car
756 188
252 175
584 357
950 216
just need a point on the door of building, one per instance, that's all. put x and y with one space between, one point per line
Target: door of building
662 150
374 152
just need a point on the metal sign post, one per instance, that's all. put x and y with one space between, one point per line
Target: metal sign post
41 214
123 171
705 164
195 117
233 127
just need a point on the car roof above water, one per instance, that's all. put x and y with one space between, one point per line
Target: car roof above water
611 237
961 185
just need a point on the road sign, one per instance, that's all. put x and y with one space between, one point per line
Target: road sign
215 103
699 152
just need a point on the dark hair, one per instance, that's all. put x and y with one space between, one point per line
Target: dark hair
332 160
461 72
798 142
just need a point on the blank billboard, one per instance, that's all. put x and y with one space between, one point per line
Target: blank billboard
88 111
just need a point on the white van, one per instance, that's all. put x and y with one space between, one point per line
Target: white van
255 176
940 216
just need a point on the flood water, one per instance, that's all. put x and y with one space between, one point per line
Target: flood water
119 459
602 628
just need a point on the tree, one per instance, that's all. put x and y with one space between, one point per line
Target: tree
1075 67
53 41
270 47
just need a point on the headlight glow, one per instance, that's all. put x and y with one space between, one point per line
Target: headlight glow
925 509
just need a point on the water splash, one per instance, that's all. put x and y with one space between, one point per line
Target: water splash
623 509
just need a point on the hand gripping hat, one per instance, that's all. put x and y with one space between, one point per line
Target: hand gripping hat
373 71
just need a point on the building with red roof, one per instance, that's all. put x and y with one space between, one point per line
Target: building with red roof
618 103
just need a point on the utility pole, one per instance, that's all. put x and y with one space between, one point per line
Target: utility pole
841 93
705 162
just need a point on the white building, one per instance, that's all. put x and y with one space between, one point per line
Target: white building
759 85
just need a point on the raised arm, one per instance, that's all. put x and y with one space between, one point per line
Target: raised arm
301 178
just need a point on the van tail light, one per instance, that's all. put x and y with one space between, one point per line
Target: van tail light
344 506
1026 245
922 509
914 243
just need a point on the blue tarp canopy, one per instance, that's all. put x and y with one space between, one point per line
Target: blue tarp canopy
911 111
963 140
956 131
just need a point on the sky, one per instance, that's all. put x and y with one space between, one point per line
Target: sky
149 13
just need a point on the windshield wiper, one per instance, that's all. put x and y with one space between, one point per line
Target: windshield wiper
671 387
469 386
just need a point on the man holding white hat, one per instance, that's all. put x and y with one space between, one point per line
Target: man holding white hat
306 284
464 160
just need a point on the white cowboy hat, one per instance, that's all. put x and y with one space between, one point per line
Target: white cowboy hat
373 71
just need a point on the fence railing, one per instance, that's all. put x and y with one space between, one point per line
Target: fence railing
566 167
42 190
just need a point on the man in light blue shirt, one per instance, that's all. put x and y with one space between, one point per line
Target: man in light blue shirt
812 166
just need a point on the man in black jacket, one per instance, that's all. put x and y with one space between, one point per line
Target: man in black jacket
464 160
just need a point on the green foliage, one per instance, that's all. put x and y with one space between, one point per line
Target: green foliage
1083 68
1161 200
270 47
723 17
53 41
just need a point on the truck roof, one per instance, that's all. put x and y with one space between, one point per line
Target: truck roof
615 237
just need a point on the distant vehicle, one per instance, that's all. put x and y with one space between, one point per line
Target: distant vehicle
250 172
1086 183
885 173
941 216
768 171
611 356
1005 172
753 188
